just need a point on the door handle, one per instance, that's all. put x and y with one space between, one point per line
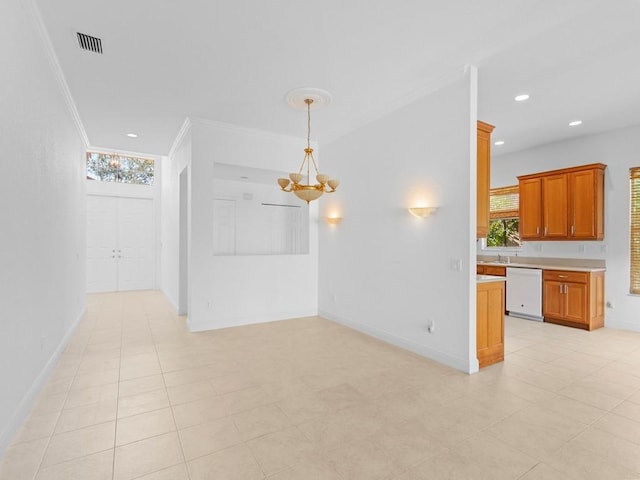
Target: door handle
563 276
537 230
546 229
573 229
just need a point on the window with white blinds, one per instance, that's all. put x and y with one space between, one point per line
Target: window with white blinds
504 221
634 174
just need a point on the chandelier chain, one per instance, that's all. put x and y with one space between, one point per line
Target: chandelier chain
308 102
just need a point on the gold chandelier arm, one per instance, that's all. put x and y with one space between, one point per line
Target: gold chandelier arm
314 163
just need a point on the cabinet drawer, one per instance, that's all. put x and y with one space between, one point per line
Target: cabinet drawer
563 276
491 270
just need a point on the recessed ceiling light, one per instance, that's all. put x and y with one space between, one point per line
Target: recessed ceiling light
132 135
522 97
575 123
499 142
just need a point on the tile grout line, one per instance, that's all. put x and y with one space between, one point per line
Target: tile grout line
84 349
173 416
115 432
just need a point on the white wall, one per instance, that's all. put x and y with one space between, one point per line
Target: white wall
383 271
228 291
619 150
171 167
42 214
257 219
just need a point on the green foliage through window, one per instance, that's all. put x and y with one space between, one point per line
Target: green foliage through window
504 232
110 167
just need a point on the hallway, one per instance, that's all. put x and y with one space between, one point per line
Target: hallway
135 396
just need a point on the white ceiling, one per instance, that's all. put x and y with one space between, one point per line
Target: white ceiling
233 61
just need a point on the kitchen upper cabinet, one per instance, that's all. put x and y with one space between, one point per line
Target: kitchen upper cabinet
565 204
555 212
530 191
484 178
588 204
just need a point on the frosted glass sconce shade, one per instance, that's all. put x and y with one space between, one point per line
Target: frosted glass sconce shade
421 212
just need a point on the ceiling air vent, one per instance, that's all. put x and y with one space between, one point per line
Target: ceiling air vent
87 42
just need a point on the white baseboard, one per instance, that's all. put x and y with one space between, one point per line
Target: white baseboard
21 413
238 321
458 363
634 327
173 304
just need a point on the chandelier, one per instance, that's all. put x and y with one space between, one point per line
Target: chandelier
115 165
307 191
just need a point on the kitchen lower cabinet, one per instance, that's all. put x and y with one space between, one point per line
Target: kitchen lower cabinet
491 270
574 299
490 305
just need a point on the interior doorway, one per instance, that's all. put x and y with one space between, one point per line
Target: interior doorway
120 245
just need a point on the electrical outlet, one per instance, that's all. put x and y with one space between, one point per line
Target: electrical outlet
431 326
456 264
334 297
581 248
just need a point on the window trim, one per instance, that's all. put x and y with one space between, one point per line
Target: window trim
503 214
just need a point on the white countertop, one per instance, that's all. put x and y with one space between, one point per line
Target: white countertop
543 266
490 278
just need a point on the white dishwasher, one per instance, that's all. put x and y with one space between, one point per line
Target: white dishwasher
524 293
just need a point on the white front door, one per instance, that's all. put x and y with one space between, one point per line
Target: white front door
119 244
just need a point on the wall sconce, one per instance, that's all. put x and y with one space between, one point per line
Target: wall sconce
333 220
422 212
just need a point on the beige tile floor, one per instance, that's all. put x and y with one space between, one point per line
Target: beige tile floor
135 396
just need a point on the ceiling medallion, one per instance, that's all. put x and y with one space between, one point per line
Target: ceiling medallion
297 182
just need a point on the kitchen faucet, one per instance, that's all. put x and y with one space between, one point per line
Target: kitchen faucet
502 261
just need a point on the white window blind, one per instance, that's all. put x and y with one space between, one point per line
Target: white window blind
504 202
635 230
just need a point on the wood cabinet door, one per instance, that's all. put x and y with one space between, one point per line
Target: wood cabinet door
490 323
552 299
484 180
530 208
575 302
582 186
555 204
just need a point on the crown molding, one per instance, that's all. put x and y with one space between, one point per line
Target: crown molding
55 67
184 130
